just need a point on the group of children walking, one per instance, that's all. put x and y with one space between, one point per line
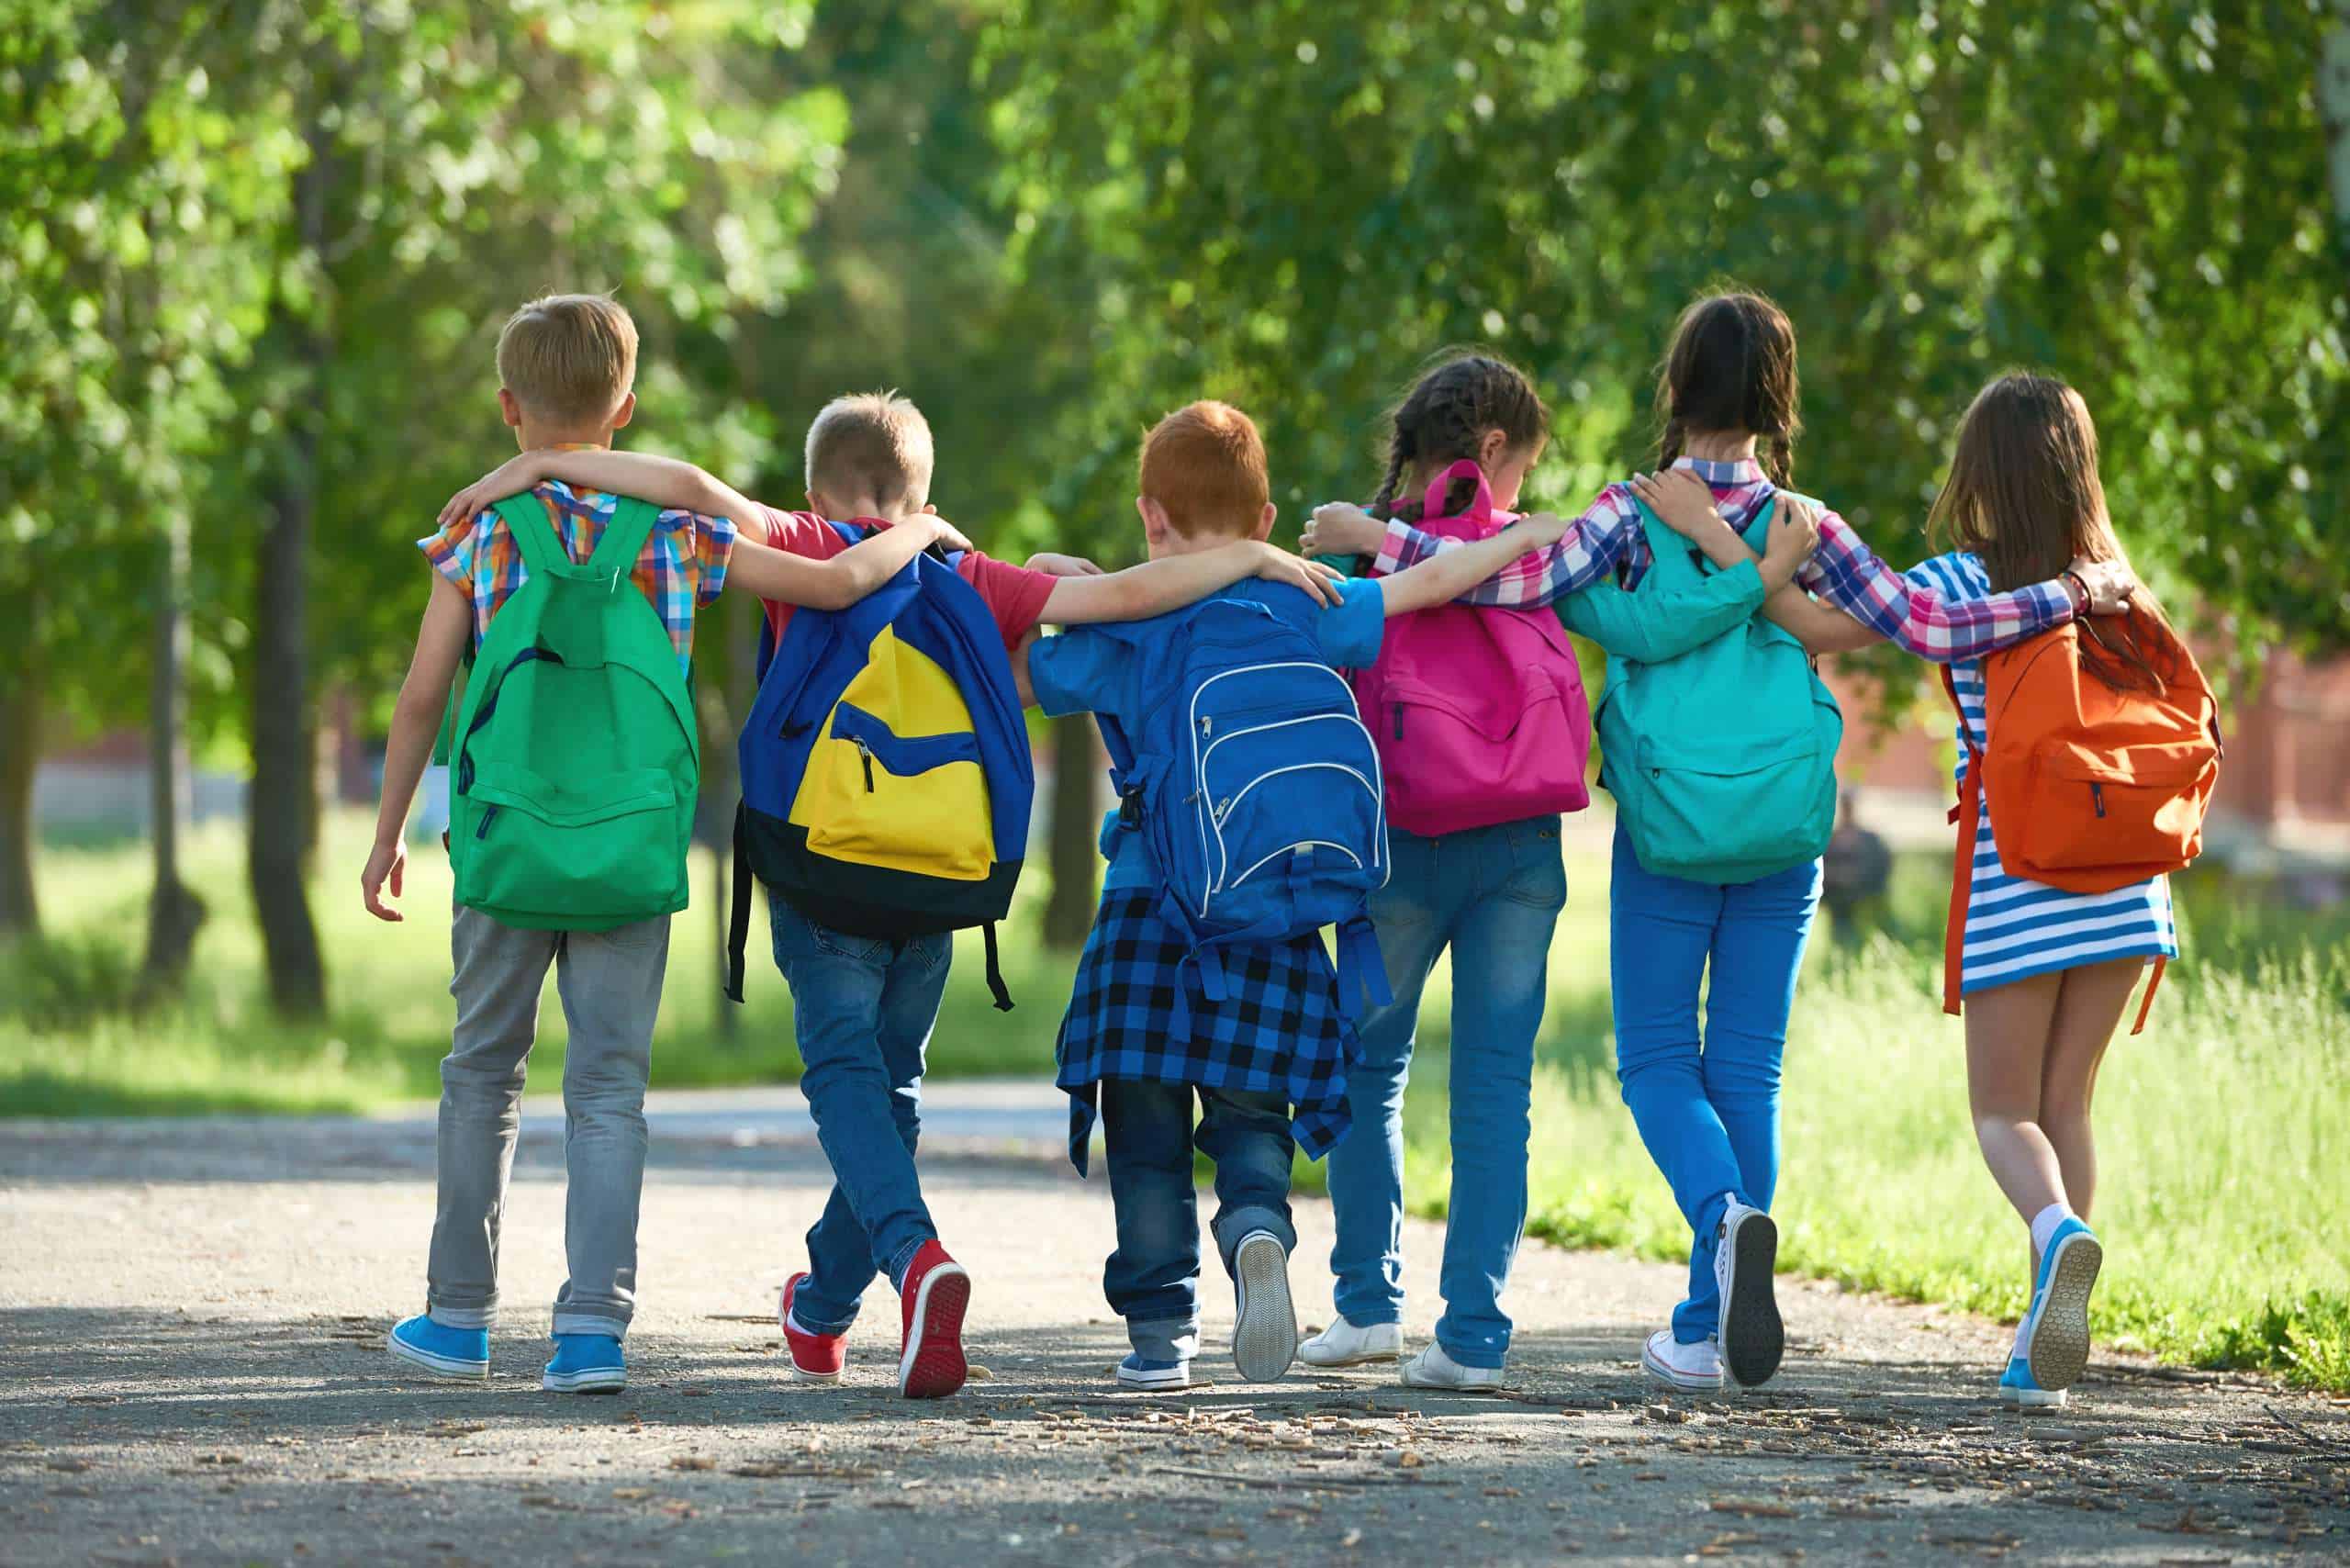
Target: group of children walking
1412 802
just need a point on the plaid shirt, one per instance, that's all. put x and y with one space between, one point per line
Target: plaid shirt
1843 571
681 569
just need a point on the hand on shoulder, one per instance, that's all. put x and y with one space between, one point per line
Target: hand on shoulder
1342 527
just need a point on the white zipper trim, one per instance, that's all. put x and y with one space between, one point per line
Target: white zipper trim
1293 848
1216 817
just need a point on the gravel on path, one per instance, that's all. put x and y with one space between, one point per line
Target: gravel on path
192 1373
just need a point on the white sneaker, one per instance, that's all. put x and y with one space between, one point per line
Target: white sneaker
1344 1345
1694 1368
1433 1368
1752 1339
1264 1340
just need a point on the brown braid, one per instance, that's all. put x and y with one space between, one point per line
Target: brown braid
1445 417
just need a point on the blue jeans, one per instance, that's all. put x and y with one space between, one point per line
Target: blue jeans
1707 1109
1152 1279
864 1008
1492 895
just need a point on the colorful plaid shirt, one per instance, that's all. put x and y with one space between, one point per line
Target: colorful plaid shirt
681 569
1842 571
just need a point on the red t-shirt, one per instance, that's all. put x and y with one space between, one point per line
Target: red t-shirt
1015 596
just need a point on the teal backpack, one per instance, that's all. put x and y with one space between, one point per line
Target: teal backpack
573 761
1720 752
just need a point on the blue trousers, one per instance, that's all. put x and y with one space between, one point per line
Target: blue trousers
1707 1107
1493 895
1152 1279
864 1008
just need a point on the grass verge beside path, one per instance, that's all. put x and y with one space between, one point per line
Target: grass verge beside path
68 1046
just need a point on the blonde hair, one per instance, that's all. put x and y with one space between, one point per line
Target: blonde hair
1205 463
568 358
871 444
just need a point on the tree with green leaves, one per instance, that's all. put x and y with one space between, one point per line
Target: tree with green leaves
1293 205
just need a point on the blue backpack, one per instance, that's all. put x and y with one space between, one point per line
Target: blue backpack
886 771
1254 787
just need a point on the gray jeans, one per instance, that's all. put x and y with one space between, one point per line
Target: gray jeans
610 986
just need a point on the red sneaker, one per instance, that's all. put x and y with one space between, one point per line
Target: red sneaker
815 1358
936 1291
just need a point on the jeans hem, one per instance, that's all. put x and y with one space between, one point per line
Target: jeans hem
571 1320
1483 1360
463 1317
903 1259
1237 1225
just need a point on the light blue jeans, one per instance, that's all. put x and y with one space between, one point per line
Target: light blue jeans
1707 1107
1493 895
864 1008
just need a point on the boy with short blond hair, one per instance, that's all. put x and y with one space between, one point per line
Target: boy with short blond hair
1265 1047
566 363
864 1007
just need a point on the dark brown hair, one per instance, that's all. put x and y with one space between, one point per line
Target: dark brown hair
1731 369
2023 495
1446 415
1205 463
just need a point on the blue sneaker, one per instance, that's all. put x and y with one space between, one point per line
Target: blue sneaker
586 1363
1137 1371
2056 1334
2017 1389
439 1349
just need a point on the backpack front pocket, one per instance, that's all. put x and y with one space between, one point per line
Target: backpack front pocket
2130 813
1721 820
915 804
1300 784
588 849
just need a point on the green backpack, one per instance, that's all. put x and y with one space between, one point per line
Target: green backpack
1721 755
573 761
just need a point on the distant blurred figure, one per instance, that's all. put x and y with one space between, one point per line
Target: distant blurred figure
1854 874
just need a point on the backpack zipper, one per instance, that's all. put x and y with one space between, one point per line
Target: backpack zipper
2097 794
1396 709
865 753
481 830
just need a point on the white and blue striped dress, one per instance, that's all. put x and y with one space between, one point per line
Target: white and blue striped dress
2015 927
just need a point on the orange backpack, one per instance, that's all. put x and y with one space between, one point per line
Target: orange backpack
2092 788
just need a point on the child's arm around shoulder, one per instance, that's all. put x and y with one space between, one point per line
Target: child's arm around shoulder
1157 586
1449 573
441 644
839 581
667 482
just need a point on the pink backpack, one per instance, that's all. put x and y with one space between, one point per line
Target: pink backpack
1479 713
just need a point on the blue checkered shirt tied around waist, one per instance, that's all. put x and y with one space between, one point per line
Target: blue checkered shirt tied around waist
1138 1012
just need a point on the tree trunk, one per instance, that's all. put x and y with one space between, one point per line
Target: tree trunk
284 797
19 752
2334 109
1077 826
174 912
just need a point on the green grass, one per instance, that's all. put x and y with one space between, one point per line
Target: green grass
69 1046
2224 1130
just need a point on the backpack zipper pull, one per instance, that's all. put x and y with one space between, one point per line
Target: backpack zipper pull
1398 712
481 829
2097 794
865 754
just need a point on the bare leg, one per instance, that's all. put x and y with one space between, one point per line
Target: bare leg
2088 1009
2007 1031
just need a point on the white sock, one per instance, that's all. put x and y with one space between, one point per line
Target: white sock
2044 1224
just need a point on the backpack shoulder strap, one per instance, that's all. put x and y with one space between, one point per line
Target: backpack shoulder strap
624 536
1757 532
533 529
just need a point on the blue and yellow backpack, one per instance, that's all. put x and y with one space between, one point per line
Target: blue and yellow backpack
886 772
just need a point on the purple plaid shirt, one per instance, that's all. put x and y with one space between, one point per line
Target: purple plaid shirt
1842 571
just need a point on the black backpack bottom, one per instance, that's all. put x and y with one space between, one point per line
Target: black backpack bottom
859 901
